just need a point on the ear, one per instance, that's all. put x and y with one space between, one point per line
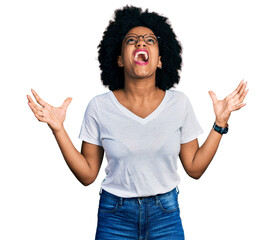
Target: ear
159 63
119 61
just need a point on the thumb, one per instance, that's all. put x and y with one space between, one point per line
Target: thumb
213 96
66 103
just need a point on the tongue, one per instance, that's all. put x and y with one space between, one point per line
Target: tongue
141 58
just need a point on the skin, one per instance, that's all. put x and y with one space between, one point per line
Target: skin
85 165
142 97
195 159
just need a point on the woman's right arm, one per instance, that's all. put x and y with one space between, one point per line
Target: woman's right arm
85 165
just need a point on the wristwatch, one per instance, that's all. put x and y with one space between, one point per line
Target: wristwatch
219 129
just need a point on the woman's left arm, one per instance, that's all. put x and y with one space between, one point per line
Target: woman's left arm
195 159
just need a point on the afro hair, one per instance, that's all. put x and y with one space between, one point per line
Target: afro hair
112 75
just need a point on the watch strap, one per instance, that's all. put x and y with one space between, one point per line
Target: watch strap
219 129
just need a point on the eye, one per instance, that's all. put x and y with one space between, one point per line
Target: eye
130 40
151 40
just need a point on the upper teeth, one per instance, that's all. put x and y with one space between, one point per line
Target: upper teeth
141 52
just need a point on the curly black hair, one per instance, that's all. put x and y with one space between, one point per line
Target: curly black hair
110 47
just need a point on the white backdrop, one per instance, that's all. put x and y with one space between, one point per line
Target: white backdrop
51 46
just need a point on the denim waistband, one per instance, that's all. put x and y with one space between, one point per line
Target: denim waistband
143 199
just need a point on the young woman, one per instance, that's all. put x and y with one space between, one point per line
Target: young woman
143 126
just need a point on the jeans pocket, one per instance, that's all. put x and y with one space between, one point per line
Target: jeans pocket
169 203
107 204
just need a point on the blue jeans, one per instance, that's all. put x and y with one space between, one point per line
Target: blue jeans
148 218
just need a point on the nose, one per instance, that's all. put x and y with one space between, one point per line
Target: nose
141 42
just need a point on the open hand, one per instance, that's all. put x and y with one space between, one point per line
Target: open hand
232 102
53 116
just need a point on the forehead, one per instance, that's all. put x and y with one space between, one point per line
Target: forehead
140 31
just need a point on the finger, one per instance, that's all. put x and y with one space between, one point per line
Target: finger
236 90
40 118
38 99
241 84
66 103
239 106
242 97
213 96
239 99
34 107
30 100
242 89
241 93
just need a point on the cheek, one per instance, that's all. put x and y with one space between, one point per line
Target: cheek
155 56
126 56
155 60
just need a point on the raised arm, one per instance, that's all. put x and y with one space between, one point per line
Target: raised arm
85 166
195 159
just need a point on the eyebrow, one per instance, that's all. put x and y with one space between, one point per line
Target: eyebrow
129 34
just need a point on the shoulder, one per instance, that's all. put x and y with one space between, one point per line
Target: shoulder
178 95
100 98
97 101
181 101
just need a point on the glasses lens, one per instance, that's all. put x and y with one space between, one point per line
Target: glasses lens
131 40
151 40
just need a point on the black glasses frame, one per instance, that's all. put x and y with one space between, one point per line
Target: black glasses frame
145 38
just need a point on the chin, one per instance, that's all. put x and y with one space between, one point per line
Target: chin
144 73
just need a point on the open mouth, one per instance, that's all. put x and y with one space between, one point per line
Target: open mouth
141 56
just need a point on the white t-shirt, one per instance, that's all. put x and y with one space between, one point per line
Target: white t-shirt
142 153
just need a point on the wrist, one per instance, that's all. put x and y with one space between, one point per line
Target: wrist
222 124
58 130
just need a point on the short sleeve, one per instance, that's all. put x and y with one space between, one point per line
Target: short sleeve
90 128
190 128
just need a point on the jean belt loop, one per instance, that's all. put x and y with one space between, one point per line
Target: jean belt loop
157 200
100 191
120 201
178 191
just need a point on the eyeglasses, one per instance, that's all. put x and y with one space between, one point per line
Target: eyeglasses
133 39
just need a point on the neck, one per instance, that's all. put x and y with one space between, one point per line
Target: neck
140 89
